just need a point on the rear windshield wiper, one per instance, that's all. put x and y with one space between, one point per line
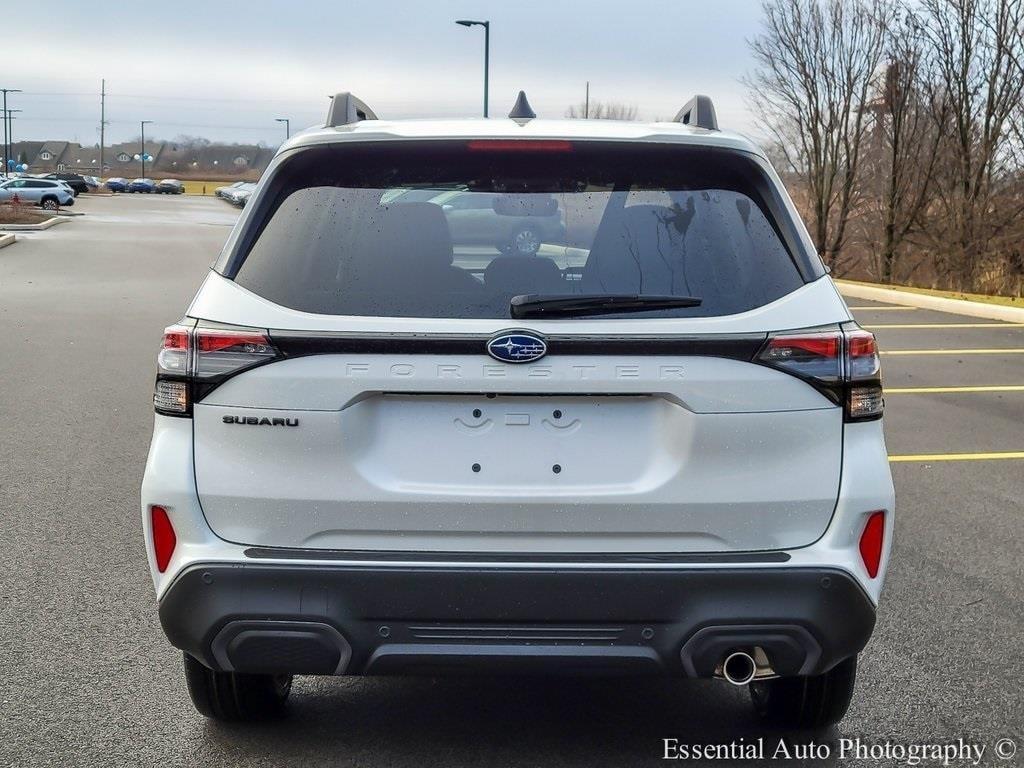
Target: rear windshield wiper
579 305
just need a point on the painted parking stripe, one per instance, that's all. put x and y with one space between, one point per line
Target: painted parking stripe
957 456
882 308
952 390
919 326
997 351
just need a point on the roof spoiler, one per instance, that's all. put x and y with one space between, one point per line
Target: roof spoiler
699 112
347 109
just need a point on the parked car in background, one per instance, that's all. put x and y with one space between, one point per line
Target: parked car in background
117 184
142 185
46 193
73 180
237 194
92 182
223 191
170 187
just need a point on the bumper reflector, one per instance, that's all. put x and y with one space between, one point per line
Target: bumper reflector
871 543
164 539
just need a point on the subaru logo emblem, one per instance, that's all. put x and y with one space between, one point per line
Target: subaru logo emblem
516 347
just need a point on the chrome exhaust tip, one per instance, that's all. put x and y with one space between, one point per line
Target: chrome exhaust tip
739 668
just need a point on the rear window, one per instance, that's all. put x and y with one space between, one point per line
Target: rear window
456 229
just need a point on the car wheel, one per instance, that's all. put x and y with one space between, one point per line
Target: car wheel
524 242
806 703
49 204
233 696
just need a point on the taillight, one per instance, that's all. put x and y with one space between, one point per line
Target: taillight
194 360
842 364
164 540
871 541
864 376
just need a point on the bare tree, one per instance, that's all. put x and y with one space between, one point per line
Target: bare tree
978 47
902 149
599 110
816 61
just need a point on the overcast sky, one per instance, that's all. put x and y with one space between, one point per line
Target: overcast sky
224 69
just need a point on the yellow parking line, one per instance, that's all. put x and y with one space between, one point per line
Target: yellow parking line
881 309
945 325
948 390
957 456
1003 351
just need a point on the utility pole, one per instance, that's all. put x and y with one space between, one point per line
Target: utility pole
8 117
7 148
586 102
103 121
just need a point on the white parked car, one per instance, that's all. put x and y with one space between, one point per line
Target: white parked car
49 194
651 445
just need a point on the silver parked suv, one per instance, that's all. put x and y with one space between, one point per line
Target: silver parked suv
652 444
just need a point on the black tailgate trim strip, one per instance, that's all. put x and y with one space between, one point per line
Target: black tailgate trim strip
300 344
710 558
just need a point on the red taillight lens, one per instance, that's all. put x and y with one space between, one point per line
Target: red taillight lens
813 356
173 357
519 145
220 351
164 539
871 541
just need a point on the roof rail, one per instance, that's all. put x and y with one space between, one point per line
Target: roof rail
347 109
700 112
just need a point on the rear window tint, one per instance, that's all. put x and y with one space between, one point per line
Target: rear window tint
443 229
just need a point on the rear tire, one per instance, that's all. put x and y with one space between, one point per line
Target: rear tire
233 696
806 703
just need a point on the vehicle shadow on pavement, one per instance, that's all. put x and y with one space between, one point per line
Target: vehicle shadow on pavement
505 721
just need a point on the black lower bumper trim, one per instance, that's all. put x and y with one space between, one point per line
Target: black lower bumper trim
331 619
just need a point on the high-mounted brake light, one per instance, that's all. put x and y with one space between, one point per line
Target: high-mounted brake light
193 360
871 541
842 364
164 539
519 145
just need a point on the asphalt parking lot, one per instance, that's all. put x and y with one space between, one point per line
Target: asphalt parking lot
88 678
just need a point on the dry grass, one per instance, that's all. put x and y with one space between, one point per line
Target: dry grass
203 187
1005 301
21 214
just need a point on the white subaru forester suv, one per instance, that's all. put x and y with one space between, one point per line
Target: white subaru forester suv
644 438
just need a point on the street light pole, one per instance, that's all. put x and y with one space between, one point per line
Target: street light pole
287 126
7 149
142 154
487 52
9 132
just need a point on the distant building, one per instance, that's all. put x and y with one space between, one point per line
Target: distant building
169 159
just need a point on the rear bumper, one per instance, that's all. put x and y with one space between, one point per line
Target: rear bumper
344 619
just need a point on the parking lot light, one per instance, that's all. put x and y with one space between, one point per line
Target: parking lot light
142 152
487 50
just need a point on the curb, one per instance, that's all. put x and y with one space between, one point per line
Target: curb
6 240
50 222
938 303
